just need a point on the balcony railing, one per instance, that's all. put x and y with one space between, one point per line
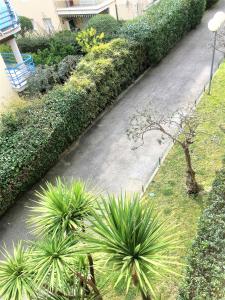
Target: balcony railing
76 3
18 73
8 18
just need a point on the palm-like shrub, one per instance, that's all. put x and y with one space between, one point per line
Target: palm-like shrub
16 279
46 270
49 257
134 240
62 208
131 239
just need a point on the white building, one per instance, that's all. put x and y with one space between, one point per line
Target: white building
49 15
14 67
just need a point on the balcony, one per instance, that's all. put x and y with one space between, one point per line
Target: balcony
9 23
18 73
82 8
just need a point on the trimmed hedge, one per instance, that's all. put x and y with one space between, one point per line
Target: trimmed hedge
104 23
210 3
32 139
206 269
164 24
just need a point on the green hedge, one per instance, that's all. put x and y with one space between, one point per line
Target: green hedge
104 23
206 269
164 25
33 43
32 139
210 3
50 49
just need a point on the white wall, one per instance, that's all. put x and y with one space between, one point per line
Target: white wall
7 94
129 9
37 10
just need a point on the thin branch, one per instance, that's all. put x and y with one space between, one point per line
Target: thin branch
90 283
57 293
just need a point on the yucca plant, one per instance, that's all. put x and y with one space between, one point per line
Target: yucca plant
47 269
16 278
61 208
54 261
60 271
133 240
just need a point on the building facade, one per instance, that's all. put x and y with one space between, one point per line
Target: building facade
15 67
43 14
54 15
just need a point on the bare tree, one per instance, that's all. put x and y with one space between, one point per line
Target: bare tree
180 127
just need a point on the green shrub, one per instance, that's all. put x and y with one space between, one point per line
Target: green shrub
205 272
42 131
26 25
42 81
163 25
10 121
5 48
60 45
89 38
50 49
210 3
33 43
104 23
46 77
67 66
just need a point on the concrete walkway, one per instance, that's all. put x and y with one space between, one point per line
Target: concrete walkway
104 154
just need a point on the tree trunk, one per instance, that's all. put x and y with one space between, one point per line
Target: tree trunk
90 282
136 284
91 268
191 183
145 297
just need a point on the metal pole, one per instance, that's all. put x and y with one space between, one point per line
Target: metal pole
117 15
212 64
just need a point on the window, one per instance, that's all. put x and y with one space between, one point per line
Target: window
48 25
69 3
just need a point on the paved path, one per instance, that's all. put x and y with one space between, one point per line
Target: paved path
104 154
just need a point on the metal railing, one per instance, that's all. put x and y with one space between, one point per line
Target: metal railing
77 3
18 73
8 17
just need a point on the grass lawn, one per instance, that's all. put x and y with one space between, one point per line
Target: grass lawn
168 188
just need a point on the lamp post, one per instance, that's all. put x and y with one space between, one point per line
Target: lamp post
214 25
